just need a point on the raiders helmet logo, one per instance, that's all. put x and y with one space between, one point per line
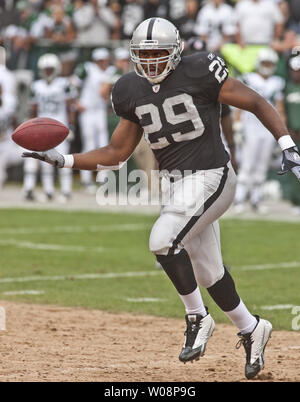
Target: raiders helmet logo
156 88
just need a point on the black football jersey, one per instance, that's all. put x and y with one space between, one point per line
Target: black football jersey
181 115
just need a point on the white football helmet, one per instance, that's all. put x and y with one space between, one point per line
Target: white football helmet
49 66
266 55
152 34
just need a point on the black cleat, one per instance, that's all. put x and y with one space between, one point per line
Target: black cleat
254 344
198 331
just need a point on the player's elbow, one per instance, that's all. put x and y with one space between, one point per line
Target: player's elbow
117 157
258 105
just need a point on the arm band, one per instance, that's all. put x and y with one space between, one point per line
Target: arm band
69 161
286 142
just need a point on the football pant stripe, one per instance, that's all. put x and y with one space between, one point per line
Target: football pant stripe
207 204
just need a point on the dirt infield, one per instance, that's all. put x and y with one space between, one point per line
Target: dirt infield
48 343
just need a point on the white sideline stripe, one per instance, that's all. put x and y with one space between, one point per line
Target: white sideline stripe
112 275
83 276
143 299
291 264
77 229
278 307
45 246
23 292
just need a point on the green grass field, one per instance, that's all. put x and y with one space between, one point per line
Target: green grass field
52 253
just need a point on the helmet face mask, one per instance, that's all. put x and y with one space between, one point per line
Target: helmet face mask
49 66
155 34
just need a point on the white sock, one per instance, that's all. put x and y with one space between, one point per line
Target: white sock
193 303
29 181
48 183
65 176
242 318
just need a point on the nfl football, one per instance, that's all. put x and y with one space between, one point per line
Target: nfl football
40 134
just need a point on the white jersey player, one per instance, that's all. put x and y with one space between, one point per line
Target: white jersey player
50 97
10 153
258 144
93 107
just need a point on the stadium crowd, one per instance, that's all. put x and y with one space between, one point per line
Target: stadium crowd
88 33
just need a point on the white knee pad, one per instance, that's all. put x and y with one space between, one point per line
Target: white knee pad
159 243
163 234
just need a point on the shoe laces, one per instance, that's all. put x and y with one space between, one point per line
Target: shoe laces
191 332
245 340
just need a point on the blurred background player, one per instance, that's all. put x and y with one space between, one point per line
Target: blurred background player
51 97
92 107
9 152
215 24
258 143
292 109
122 66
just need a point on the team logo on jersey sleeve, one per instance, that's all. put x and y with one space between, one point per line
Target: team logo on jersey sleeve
156 88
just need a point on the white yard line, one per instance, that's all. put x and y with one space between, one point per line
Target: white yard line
278 307
113 275
109 275
261 267
143 299
48 247
23 292
126 227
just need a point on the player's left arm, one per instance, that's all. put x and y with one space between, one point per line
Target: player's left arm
235 93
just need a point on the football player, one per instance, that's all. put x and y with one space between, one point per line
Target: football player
9 151
258 144
175 102
51 97
92 107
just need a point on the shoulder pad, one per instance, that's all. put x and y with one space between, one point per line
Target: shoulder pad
123 97
124 88
197 64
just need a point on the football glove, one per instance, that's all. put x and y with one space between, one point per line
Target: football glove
52 156
290 162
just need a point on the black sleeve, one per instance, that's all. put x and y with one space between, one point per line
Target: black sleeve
122 103
217 74
210 71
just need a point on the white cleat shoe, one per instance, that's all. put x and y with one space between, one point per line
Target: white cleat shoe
254 344
198 331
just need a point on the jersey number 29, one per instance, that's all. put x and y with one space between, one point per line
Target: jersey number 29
191 114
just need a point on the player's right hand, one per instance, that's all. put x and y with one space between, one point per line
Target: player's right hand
291 162
52 156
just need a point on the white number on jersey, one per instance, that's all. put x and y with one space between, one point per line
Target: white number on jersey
218 66
191 115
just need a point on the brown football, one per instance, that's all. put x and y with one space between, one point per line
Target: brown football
40 134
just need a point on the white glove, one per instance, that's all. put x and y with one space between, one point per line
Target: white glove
291 162
52 156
